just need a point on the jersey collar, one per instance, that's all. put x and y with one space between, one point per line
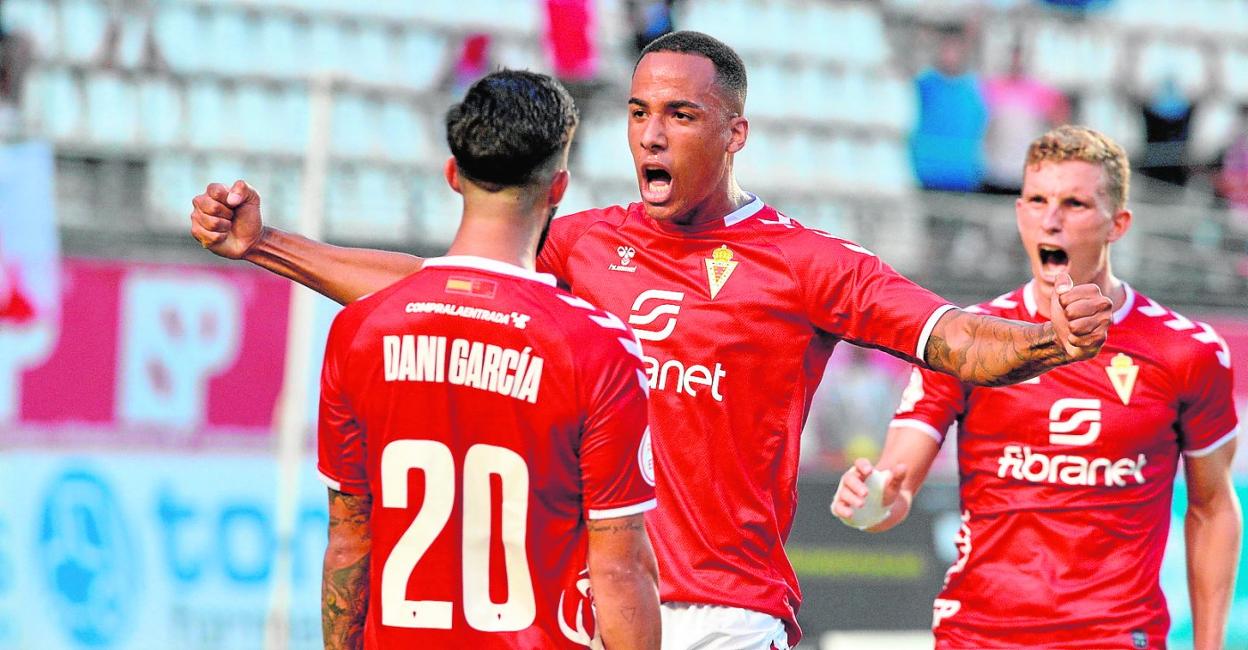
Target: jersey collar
1029 301
753 207
489 265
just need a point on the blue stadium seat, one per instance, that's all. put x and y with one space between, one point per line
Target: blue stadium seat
1235 72
351 131
257 128
421 59
407 134
281 46
292 112
85 20
206 114
37 19
172 181
112 109
160 113
178 28
58 104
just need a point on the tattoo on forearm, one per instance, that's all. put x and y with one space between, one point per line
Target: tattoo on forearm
615 527
992 351
344 585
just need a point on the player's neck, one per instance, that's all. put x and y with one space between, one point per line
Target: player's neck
498 231
718 204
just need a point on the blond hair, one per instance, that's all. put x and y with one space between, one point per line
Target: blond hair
1069 142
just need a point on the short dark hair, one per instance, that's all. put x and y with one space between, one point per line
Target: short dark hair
729 69
509 126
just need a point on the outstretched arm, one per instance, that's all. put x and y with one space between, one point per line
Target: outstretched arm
990 351
344 581
227 222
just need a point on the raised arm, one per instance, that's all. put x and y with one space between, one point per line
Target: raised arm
625 581
344 579
227 222
1212 532
990 351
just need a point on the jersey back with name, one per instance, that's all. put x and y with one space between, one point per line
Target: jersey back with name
488 415
1066 480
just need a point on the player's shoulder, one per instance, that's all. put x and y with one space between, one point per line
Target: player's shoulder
1184 341
354 314
1018 304
799 240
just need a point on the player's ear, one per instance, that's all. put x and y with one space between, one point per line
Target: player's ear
451 171
558 186
739 132
1121 224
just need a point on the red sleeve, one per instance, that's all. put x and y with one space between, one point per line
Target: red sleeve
340 438
1207 418
617 466
931 403
855 296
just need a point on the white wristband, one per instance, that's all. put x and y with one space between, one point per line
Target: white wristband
873 511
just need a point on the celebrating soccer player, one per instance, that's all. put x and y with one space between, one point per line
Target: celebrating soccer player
483 434
1066 480
739 307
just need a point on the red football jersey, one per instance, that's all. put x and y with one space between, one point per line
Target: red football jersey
738 317
1066 481
489 415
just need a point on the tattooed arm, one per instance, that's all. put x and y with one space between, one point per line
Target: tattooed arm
625 582
993 351
344 581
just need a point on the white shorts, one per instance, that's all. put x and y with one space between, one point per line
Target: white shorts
692 626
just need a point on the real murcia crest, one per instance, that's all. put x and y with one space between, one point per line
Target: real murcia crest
719 268
1122 372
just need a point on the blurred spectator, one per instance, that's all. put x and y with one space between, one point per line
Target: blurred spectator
124 11
573 48
15 307
15 55
473 61
1167 114
570 40
948 140
849 414
650 19
1231 180
1020 108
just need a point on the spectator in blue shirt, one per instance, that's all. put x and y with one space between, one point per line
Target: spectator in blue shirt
947 145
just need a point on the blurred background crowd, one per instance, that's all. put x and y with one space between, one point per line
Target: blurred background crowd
137 371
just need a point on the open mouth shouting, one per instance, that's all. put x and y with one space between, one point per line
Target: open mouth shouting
1053 261
656 185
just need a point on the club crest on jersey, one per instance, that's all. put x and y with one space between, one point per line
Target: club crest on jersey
626 254
1122 372
719 268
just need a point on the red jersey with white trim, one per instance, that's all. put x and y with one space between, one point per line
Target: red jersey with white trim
1066 481
489 415
738 317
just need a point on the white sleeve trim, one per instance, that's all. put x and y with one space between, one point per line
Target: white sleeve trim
334 485
921 426
1209 449
624 511
927 331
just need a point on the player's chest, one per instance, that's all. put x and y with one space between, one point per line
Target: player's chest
1121 403
700 293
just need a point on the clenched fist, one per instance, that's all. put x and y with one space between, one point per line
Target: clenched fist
1080 317
866 494
227 221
